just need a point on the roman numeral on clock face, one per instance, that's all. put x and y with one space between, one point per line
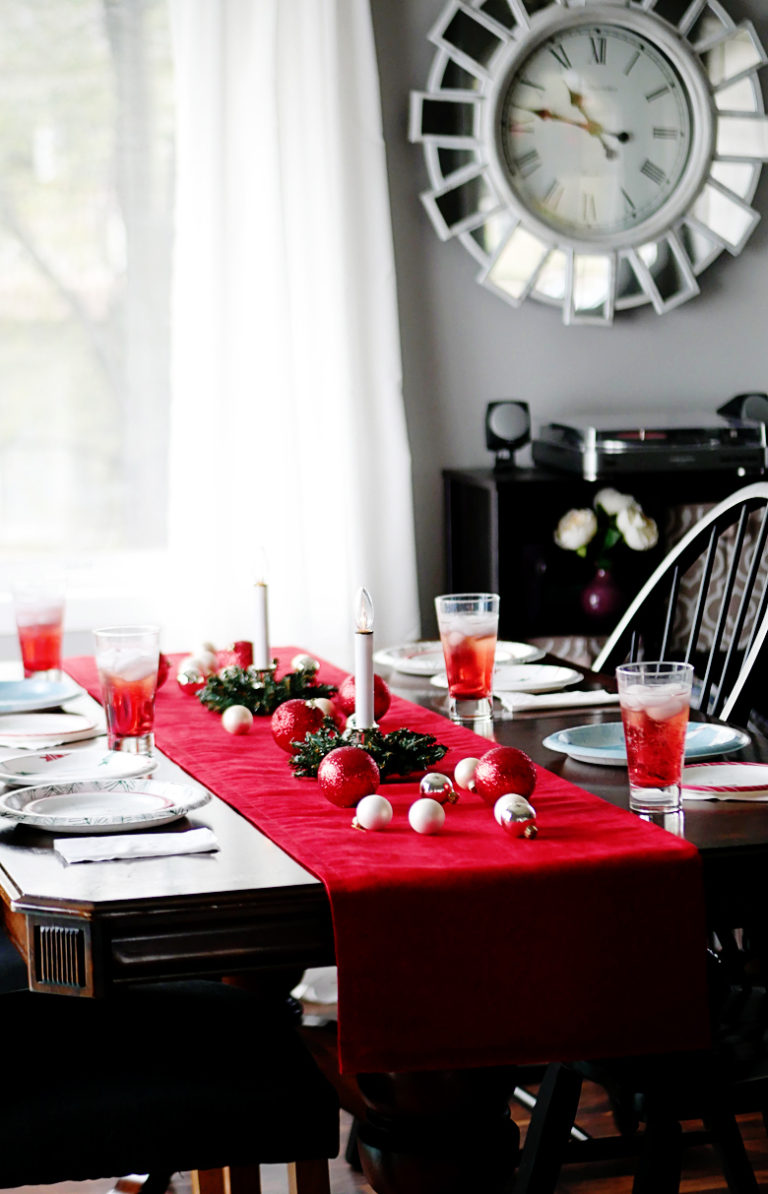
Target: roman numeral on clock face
554 194
528 162
666 134
654 172
559 53
598 49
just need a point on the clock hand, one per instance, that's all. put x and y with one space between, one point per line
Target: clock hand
590 126
593 126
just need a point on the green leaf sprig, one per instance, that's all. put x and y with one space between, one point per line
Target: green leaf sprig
401 752
258 691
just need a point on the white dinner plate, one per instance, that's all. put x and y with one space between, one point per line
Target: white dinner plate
111 807
726 781
27 696
426 658
528 677
603 742
35 728
73 766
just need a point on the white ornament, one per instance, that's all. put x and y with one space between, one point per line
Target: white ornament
237 719
324 704
426 815
464 773
373 812
204 663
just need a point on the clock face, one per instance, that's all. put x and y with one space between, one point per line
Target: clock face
595 131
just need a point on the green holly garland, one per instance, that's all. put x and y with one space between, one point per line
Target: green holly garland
259 691
401 752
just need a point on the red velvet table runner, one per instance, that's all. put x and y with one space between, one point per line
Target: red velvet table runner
471 947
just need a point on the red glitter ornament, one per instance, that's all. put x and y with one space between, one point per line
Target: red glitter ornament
382 697
293 720
238 654
346 774
504 769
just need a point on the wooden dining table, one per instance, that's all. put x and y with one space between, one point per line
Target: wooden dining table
251 910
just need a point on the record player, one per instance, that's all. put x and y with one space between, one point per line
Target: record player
598 445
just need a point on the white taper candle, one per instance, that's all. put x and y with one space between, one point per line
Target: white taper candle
364 661
261 657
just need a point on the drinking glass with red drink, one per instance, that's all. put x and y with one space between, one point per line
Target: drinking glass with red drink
127 659
468 624
39 611
655 700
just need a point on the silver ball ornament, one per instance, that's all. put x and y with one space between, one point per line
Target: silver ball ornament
516 816
436 786
304 663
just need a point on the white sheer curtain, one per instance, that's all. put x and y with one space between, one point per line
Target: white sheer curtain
288 432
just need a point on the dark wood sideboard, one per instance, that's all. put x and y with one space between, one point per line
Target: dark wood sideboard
499 537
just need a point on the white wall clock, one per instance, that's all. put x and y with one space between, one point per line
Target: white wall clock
593 154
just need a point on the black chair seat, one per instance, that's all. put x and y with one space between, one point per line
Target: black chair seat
168 1077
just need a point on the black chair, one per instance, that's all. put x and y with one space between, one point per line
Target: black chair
188 1076
706 603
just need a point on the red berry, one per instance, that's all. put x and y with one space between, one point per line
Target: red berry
293 720
504 769
163 668
345 697
346 774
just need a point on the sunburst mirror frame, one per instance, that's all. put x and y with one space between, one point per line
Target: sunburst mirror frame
469 199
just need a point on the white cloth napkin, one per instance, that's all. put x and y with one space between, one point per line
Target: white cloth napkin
135 845
519 702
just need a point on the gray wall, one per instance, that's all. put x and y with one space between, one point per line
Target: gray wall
463 347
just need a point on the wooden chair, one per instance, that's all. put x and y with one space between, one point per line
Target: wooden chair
706 603
190 1076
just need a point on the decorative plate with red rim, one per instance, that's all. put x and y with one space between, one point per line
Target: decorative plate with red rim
726 781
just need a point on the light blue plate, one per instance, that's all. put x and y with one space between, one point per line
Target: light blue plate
27 696
604 742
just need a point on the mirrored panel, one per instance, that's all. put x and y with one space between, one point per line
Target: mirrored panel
734 55
706 26
473 41
553 277
592 288
720 212
487 237
460 206
738 177
741 96
742 137
443 118
516 266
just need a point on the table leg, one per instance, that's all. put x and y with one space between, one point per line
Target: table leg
439 1132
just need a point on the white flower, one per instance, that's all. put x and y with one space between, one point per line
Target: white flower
612 501
640 532
576 529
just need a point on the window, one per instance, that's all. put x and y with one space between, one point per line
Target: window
86 161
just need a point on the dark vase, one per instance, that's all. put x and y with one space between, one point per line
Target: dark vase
602 599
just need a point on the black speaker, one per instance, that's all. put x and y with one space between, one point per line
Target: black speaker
507 427
746 406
